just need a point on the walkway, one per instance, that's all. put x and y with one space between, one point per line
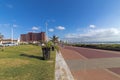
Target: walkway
92 64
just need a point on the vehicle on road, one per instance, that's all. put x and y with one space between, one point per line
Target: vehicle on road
10 44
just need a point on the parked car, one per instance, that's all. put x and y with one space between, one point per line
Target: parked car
10 44
1 45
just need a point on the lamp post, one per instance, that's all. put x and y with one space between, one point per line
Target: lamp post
46 24
12 34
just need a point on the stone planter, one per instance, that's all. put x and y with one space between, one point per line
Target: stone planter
46 53
53 48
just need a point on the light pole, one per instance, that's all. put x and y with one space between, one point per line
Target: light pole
12 34
46 24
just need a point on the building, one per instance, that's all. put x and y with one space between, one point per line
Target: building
33 37
3 41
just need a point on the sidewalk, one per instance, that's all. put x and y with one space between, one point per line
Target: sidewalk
83 68
62 71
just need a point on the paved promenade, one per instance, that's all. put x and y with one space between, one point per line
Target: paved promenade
92 64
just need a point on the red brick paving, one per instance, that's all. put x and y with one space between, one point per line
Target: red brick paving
115 70
94 53
90 74
71 54
95 74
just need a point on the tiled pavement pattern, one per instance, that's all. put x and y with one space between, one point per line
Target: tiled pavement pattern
115 70
93 64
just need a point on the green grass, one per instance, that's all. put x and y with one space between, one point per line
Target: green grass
25 62
114 47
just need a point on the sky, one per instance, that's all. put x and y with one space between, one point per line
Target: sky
78 20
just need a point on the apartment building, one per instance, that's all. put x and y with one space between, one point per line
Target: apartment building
33 37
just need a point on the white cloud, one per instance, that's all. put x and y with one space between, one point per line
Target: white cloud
4 25
8 25
60 28
13 20
14 25
53 20
9 5
51 30
92 26
111 34
35 28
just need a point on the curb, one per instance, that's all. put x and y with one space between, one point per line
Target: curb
62 71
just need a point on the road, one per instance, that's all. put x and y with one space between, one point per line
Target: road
92 64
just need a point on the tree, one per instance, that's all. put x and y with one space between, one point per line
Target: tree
54 39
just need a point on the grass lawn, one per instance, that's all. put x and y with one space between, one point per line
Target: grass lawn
25 62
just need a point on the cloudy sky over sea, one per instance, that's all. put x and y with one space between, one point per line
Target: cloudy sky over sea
89 20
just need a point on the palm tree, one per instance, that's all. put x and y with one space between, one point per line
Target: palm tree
54 39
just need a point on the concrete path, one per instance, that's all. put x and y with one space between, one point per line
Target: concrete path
62 71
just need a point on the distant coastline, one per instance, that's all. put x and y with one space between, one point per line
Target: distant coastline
114 46
106 42
96 42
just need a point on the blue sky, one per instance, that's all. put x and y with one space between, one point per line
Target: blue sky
86 20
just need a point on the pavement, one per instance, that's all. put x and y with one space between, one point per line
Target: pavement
92 64
62 71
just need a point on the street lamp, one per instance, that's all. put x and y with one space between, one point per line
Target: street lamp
46 24
12 34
